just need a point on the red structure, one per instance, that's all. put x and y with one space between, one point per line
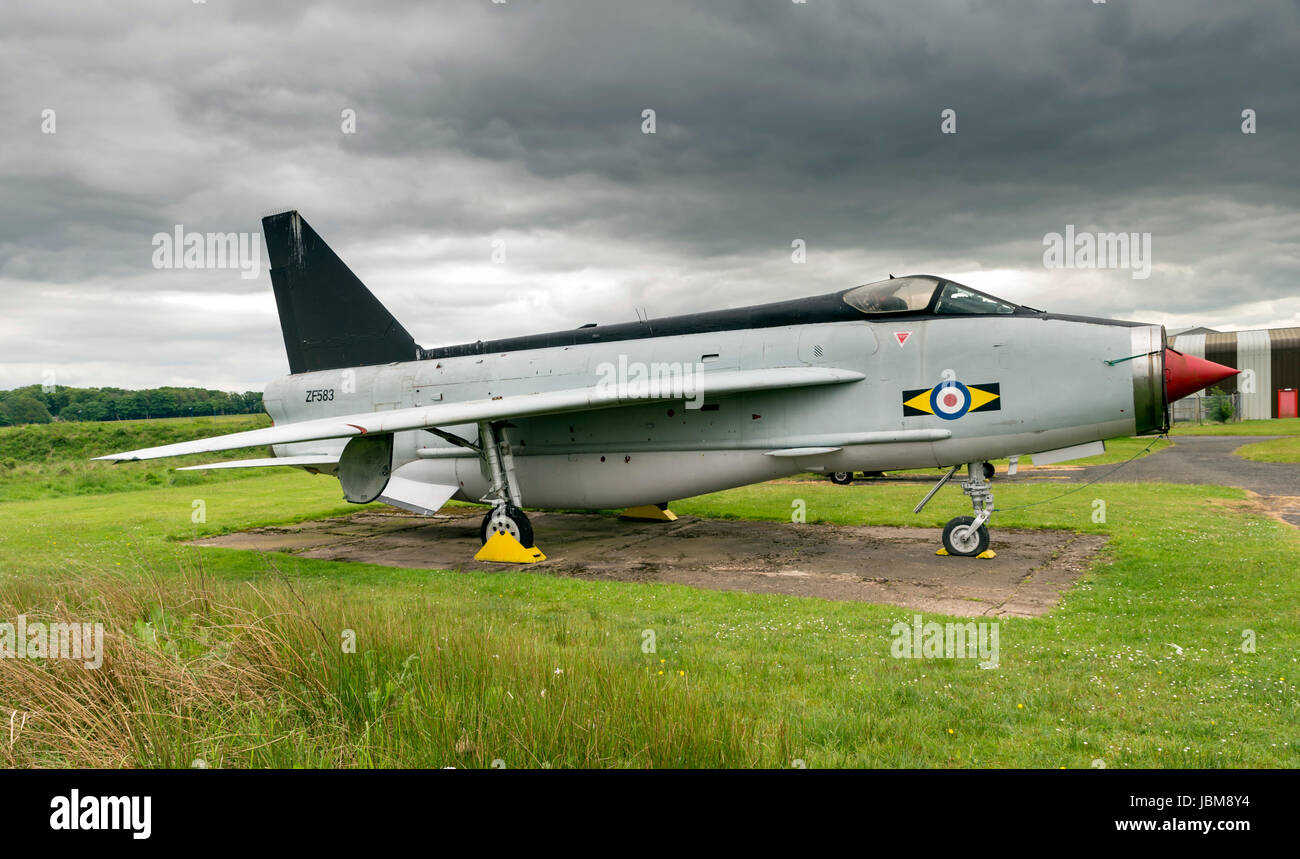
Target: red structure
1286 402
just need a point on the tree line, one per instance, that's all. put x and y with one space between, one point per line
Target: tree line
38 404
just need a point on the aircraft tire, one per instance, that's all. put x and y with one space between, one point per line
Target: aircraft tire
841 478
507 520
969 546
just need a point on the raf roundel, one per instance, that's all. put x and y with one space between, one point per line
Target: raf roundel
950 400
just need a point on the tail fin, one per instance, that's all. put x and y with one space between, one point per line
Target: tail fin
329 318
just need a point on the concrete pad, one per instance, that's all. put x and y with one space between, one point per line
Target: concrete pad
875 564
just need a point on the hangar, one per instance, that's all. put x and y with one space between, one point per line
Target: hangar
1269 361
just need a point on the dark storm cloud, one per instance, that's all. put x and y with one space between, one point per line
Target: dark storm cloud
522 121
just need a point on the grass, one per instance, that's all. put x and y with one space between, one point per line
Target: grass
40 461
1272 426
239 659
1117 450
1276 450
85 439
254 675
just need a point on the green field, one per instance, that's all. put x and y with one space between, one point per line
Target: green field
1117 450
238 659
1272 426
44 460
1276 450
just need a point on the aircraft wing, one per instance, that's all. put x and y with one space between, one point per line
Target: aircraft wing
715 384
306 459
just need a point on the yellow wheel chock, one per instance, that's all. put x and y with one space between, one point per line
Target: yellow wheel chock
649 513
986 554
504 549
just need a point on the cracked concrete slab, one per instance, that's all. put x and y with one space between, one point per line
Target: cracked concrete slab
874 564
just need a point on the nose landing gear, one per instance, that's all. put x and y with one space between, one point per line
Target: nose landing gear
968 536
961 536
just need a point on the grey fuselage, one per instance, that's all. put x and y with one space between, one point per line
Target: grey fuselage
1056 387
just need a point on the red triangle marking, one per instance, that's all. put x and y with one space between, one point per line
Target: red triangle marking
902 337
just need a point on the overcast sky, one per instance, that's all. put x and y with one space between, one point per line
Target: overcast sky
521 123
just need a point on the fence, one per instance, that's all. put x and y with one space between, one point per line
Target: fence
1210 408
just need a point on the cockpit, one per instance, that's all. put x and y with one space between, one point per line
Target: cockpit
924 294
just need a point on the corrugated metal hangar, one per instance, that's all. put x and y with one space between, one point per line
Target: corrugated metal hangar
1269 360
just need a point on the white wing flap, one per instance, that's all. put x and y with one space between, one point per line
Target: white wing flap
416 496
497 408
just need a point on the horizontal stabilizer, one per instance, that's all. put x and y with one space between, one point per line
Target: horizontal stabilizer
721 383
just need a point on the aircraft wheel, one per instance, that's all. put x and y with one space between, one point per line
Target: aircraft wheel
507 520
989 471
841 478
959 539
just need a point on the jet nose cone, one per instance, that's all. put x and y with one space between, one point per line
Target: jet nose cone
1187 374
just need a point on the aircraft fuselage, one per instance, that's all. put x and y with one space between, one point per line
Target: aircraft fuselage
1053 388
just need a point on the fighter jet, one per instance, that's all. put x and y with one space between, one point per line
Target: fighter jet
907 372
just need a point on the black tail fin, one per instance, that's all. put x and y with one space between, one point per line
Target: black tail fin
329 318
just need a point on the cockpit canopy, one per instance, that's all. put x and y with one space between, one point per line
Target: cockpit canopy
924 294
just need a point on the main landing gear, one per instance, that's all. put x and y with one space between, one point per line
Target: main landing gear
844 478
968 536
506 532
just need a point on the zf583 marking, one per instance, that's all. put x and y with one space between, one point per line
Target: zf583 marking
320 395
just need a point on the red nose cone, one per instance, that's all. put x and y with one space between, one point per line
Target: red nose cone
1187 374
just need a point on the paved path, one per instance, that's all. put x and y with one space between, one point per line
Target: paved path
1200 459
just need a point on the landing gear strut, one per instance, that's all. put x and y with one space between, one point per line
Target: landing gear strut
968 536
506 532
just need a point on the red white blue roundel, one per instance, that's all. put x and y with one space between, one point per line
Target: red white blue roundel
950 400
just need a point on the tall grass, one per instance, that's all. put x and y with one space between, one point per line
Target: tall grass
234 674
82 440
48 460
